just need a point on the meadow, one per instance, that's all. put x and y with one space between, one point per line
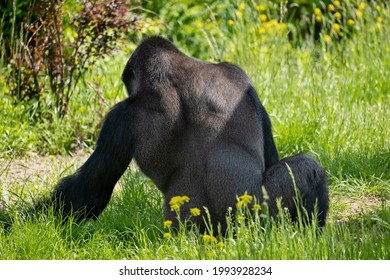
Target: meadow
327 93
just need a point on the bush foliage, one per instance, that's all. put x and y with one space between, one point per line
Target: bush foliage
58 42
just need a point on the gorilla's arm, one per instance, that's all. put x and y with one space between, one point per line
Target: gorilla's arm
88 191
270 152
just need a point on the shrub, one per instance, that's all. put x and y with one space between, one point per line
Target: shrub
60 41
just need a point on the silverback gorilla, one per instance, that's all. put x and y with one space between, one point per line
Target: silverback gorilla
196 129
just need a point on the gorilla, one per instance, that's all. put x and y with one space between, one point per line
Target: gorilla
197 129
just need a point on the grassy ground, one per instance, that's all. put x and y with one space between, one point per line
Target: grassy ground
330 100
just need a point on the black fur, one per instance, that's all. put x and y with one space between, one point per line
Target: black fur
302 176
196 129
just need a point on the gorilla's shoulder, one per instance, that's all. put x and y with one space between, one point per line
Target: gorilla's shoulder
234 72
158 42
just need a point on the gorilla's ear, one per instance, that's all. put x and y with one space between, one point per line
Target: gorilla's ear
131 82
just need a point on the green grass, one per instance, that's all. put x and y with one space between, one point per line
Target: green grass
132 227
329 99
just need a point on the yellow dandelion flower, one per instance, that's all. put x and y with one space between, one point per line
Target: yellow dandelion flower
239 14
175 207
220 245
263 18
240 204
281 26
209 254
256 207
241 7
379 19
230 22
246 197
327 38
338 15
317 12
209 238
331 7
378 8
359 13
336 28
262 29
337 3
272 22
167 235
167 224
361 6
350 22
318 18
177 201
261 8
195 211
244 200
240 218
